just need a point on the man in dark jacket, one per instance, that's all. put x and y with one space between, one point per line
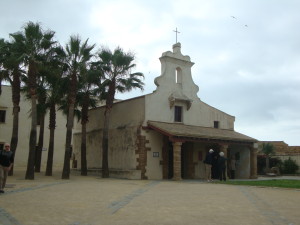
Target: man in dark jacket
6 162
222 166
208 163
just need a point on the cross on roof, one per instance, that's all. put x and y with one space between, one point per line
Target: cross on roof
177 32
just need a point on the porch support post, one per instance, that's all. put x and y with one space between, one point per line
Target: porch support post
177 160
253 161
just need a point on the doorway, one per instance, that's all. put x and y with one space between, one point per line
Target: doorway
187 165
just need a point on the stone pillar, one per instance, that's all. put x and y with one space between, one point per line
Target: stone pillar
177 160
253 161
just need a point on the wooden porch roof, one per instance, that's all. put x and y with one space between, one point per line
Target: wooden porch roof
181 131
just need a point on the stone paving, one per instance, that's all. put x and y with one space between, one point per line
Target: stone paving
95 201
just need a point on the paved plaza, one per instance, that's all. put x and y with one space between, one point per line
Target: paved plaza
92 200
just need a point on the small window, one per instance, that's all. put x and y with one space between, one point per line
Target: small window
216 124
178 114
2 116
178 76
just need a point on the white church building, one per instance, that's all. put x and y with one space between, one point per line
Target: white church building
166 134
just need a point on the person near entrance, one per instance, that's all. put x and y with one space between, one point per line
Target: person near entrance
208 163
222 166
6 162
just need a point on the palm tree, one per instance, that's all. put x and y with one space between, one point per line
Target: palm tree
268 149
41 113
78 55
11 71
50 63
57 86
116 68
86 97
34 43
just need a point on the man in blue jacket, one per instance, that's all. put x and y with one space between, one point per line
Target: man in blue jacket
6 162
208 163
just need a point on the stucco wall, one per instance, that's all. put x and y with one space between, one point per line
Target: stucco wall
200 114
154 169
21 156
199 165
243 164
125 122
158 103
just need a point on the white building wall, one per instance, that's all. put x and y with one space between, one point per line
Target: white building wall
158 104
243 163
154 167
125 121
22 151
199 165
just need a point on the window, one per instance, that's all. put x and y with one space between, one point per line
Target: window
178 114
178 76
216 124
2 116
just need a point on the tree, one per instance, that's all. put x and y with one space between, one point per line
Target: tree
86 96
116 68
50 64
268 149
78 55
41 113
11 70
34 43
57 86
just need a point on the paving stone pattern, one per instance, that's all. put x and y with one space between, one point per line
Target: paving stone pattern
95 201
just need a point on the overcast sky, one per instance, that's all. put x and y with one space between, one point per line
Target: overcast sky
246 53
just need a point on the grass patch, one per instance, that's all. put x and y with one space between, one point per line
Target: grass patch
266 183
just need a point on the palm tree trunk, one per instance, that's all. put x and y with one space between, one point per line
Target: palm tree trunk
15 131
109 105
52 123
16 84
84 121
70 120
83 150
66 169
32 141
38 155
105 170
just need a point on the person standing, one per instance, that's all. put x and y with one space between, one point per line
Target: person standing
208 163
222 166
6 162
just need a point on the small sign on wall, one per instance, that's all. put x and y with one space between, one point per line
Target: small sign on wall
156 154
44 149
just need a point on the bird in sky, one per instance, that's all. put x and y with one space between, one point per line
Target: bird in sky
233 17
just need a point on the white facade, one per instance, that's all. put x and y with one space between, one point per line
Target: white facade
22 150
141 149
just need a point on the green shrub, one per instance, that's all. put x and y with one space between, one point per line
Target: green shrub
289 166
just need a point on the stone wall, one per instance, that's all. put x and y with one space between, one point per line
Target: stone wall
124 138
